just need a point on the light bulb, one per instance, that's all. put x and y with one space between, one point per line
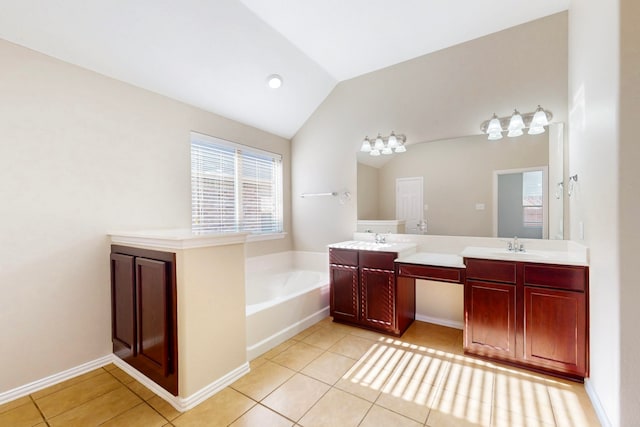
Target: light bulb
535 130
366 145
494 125
387 150
516 124
494 136
392 142
379 145
539 118
400 148
375 152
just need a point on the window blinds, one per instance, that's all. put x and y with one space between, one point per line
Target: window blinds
234 188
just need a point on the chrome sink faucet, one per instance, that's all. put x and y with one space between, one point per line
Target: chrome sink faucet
514 246
380 238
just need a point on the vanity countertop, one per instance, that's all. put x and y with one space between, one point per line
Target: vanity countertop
539 256
402 249
175 238
433 259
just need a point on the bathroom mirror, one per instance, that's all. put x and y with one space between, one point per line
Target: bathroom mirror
451 183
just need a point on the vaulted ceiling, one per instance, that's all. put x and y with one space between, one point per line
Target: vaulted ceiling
217 54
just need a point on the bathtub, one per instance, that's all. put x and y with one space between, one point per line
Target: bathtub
286 293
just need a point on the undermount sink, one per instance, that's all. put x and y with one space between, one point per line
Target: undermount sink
373 246
544 256
525 253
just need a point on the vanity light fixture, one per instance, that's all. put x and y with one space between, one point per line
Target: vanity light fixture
274 81
516 123
384 144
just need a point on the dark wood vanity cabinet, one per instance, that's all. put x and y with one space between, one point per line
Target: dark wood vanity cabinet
344 300
143 312
491 318
534 315
555 313
365 292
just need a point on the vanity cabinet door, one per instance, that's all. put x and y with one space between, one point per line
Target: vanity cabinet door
152 315
377 298
123 317
555 329
144 312
344 292
490 319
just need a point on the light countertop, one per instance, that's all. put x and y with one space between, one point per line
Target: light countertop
402 249
539 256
434 259
409 253
175 238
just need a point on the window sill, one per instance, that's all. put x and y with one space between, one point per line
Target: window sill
267 236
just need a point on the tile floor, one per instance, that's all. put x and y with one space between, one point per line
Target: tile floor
330 375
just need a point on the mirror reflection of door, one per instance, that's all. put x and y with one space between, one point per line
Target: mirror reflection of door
521 203
409 197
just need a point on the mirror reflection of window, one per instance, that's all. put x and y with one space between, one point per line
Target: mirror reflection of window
532 199
520 203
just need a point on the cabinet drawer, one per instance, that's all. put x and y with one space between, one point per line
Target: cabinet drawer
557 277
343 257
381 260
428 272
495 271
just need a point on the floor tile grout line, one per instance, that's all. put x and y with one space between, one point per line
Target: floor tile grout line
331 386
86 402
66 387
553 409
117 415
245 412
365 414
156 411
39 410
287 380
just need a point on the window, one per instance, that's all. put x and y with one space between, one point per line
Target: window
234 188
532 212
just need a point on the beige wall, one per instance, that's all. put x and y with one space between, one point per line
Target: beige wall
594 157
457 175
80 155
629 185
442 95
368 190
211 315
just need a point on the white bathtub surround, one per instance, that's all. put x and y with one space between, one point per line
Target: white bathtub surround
287 261
211 319
286 293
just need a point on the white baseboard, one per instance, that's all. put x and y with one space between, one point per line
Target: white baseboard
180 403
43 383
183 404
442 322
283 335
597 405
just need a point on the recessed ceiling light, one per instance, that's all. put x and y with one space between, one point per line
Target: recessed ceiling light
274 81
